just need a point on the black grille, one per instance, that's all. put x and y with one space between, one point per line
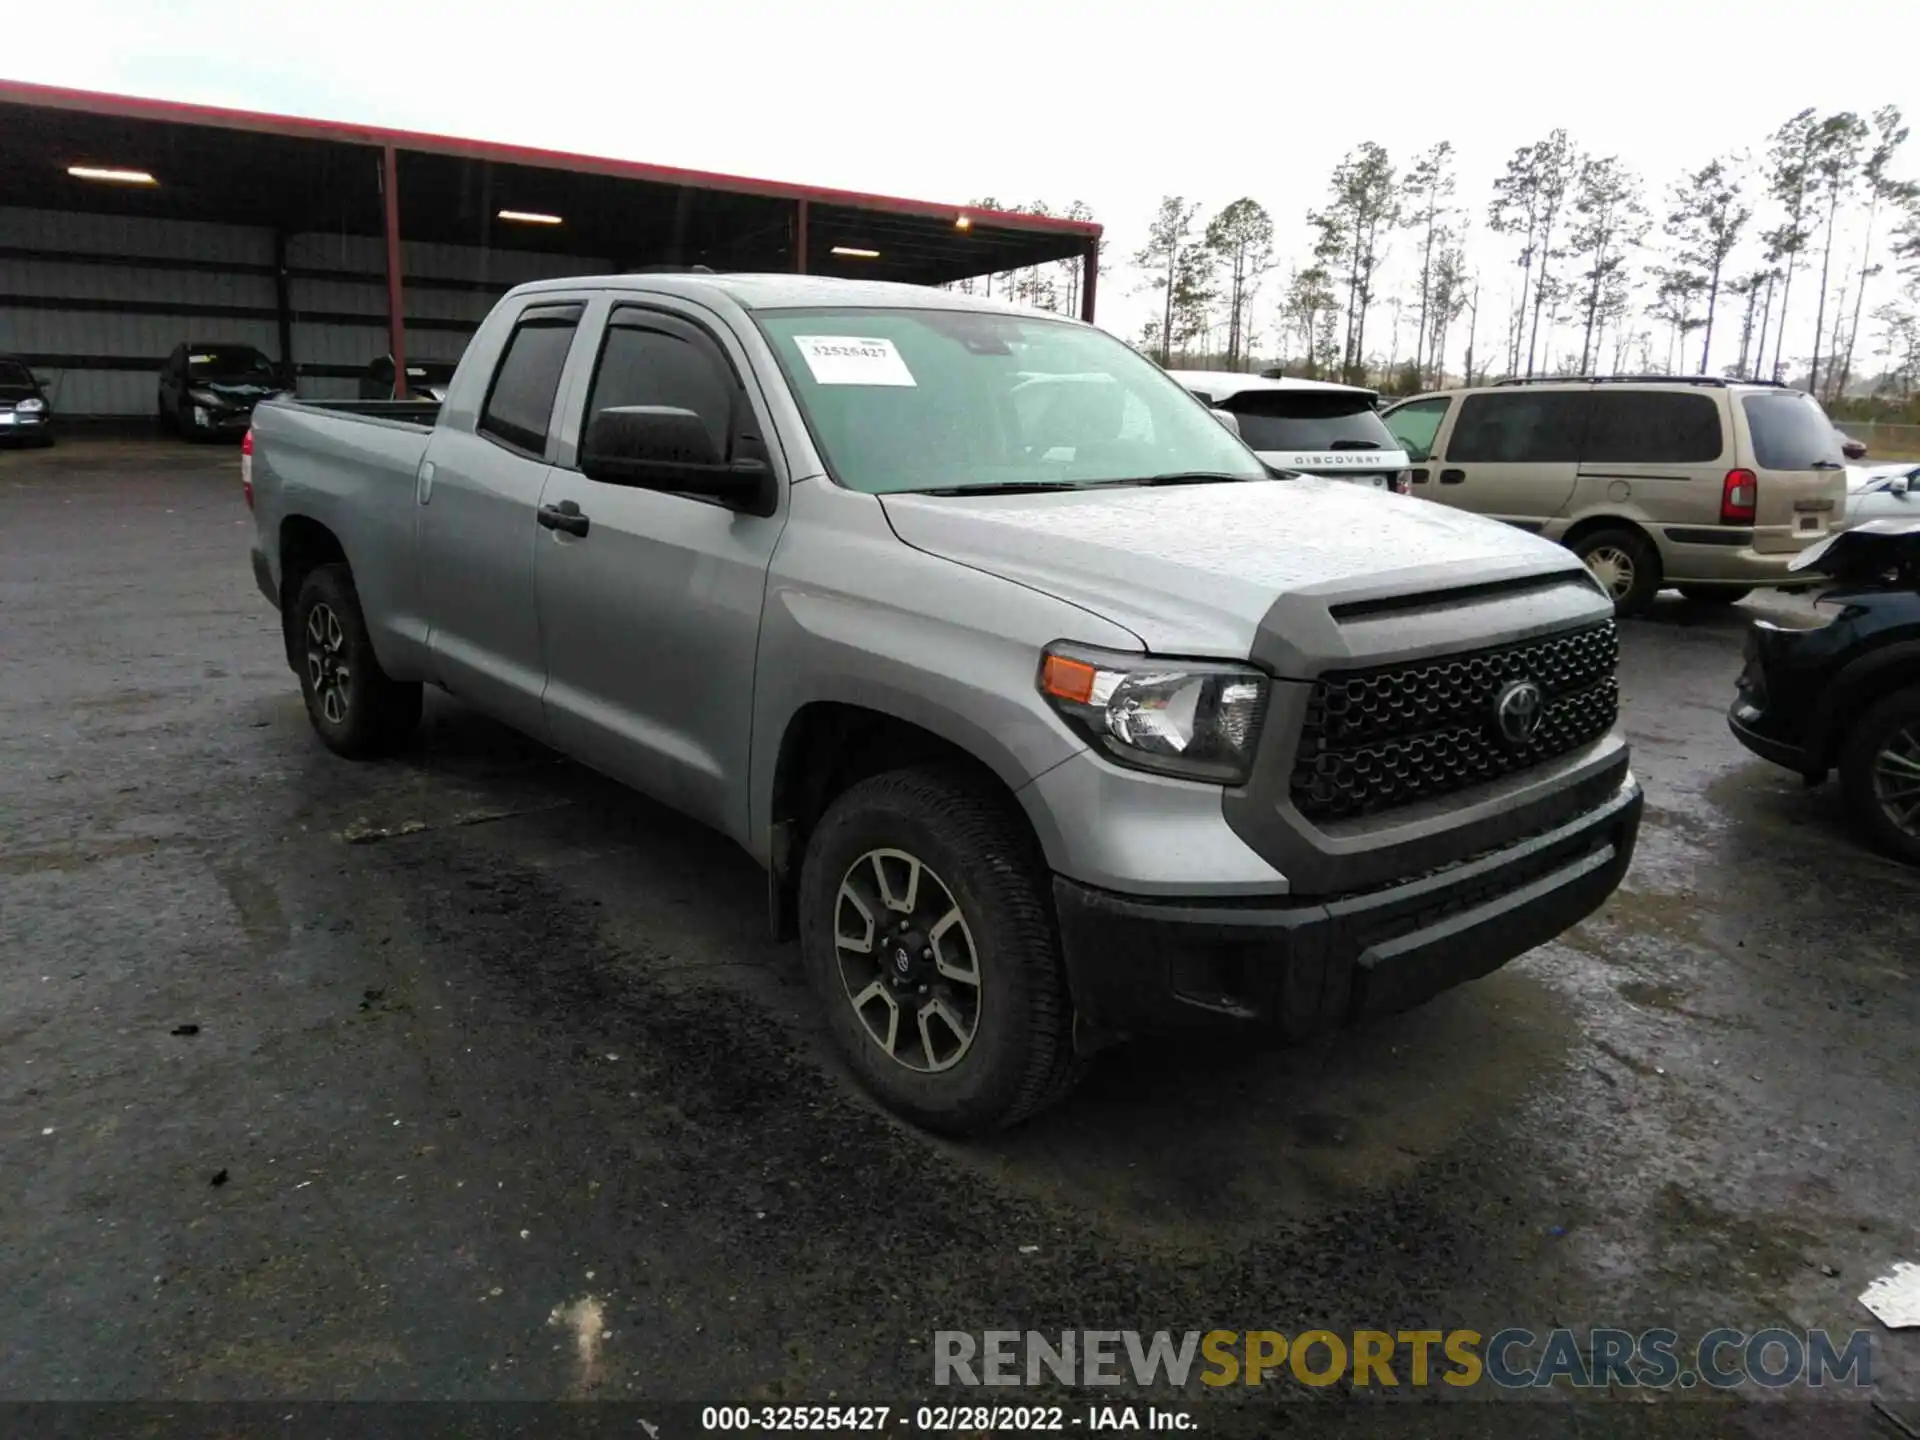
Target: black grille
1375 739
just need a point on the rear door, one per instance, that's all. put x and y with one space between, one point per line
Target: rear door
1512 453
479 492
1662 454
1794 453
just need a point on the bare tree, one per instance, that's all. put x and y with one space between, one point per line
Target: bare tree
1528 200
1838 140
1790 181
1609 221
1310 312
1705 225
1447 299
1883 191
1429 191
1362 210
1167 241
1241 239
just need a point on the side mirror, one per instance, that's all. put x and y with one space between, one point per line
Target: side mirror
1901 485
42 381
1228 419
663 447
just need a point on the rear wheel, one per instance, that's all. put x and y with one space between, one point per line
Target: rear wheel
1716 594
355 706
1626 565
1880 774
928 934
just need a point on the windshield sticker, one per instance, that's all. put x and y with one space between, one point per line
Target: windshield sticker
853 360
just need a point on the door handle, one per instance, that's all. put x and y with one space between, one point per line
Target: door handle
564 516
1452 477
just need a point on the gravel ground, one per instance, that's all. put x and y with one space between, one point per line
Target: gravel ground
293 1109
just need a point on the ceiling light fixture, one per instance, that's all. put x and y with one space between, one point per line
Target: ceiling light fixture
110 175
853 252
528 217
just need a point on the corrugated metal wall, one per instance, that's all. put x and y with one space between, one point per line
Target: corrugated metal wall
96 302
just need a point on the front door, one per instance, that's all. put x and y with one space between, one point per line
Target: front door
1511 453
651 617
479 496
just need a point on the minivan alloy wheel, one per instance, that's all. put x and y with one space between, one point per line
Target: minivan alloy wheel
1896 780
1613 567
907 960
326 663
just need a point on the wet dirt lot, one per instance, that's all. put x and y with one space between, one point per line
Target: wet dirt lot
516 1100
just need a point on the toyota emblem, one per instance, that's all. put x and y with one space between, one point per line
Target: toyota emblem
902 961
1518 711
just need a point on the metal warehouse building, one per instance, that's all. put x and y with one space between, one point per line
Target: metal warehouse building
128 226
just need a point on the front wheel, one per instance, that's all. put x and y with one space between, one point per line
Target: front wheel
1880 775
355 706
1626 565
927 930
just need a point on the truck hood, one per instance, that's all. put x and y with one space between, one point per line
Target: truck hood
1193 570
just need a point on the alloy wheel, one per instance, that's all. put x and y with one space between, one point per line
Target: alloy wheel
327 667
1613 567
1896 780
908 960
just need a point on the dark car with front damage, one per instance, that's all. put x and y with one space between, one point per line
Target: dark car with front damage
209 389
26 417
1842 690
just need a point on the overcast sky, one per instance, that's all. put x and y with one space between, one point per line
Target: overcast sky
1114 102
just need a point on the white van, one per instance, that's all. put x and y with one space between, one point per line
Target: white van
1311 426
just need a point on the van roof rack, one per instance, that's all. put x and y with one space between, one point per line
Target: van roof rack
1719 382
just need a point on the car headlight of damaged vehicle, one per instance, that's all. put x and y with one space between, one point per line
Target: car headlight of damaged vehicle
31 406
1196 719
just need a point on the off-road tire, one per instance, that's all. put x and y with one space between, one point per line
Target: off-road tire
1021 1058
379 713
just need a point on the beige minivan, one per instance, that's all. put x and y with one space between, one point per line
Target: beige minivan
1709 486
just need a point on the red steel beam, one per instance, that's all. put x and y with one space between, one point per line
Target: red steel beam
396 290
136 107
1089 278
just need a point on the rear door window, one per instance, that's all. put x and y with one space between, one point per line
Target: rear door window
1524 427
520 403
1790 432
1308 420
1651 427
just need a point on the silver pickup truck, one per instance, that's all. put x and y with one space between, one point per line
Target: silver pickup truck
1052 714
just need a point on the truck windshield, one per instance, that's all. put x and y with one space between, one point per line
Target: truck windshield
914 400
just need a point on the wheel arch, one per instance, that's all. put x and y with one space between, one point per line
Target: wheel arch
827 747
1861 684
305 544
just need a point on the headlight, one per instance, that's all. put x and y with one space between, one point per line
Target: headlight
1192 718
207 398
32 405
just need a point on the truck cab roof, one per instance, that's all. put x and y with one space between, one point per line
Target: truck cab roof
785 292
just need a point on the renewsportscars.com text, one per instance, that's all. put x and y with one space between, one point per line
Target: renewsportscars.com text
1511 1359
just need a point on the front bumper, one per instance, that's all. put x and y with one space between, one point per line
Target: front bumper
1144 966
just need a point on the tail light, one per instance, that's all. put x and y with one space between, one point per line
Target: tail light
1738 497
246 468
1402 482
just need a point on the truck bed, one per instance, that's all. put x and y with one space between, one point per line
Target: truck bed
419 413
